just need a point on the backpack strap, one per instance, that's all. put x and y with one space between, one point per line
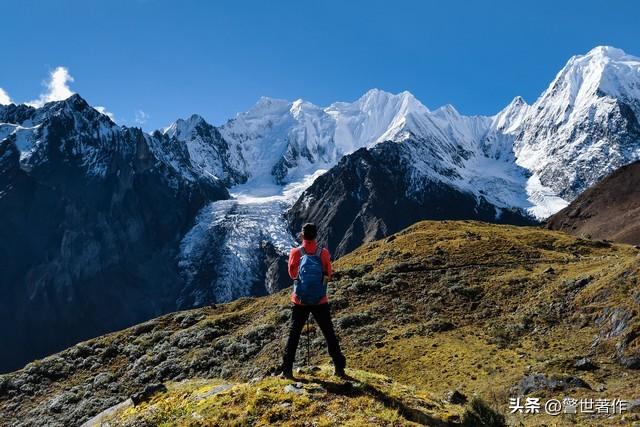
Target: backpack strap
318 250
302 252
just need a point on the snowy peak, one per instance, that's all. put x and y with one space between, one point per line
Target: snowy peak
88 133
74 107
207 150
510 117
376 116
584 126
602 71
376 100
285 141
266 107
182 128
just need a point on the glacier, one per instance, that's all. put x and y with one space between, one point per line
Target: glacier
534 158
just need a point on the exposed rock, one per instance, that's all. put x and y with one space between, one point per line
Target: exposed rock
148 391
217 389
455 397
585 364
91 219
295 388
532 383
372 193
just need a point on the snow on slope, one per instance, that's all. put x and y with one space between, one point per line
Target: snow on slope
375 117
208 151
585 125
92 134
532 157
286 141
235 230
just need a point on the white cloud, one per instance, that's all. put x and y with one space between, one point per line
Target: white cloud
104 111
57 88
141 117
4 97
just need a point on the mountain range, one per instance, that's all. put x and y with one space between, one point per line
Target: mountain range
103 226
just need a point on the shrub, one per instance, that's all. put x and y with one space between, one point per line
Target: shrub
480 414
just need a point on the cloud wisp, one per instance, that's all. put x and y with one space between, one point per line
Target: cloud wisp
56 88
141 117
5 99
103 110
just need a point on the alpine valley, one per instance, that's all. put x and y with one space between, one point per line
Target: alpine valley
104 226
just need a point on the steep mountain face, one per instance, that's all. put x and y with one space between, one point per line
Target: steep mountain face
526 160
285 141
91 216
479 308
208 151
199 210
609 210
373 193
585 125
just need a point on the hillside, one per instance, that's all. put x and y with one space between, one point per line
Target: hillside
369 399
486 310
103 226
608 210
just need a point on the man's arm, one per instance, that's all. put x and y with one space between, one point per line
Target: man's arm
325 258
294 263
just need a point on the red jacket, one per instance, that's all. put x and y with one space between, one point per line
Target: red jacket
310 247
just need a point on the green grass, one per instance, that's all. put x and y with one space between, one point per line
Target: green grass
440 306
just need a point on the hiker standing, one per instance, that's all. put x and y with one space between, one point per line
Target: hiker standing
310 267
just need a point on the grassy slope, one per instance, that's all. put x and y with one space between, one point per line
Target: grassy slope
439 306
373 400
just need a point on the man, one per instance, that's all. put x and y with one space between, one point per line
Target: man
310 267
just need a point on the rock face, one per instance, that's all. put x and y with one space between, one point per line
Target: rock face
96 215
526 160
373 193
209 151
585 125
91 216
610 210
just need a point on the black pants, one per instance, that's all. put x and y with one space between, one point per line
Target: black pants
299 316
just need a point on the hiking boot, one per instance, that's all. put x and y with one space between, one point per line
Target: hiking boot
286 373
340 363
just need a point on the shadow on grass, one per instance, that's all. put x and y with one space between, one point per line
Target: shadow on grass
347 388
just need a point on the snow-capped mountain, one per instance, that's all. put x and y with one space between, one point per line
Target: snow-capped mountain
208 151
91 219
509 163
286 141
92 212
585 125
535 158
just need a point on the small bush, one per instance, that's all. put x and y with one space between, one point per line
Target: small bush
480 414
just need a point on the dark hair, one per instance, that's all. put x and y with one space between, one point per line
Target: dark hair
309 231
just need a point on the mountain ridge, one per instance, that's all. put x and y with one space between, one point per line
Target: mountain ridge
229 199
608 210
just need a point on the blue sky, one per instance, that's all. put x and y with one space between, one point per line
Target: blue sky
152 61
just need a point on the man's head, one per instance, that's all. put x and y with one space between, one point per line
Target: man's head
309 231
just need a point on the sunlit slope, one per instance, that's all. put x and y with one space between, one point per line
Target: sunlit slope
440 306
